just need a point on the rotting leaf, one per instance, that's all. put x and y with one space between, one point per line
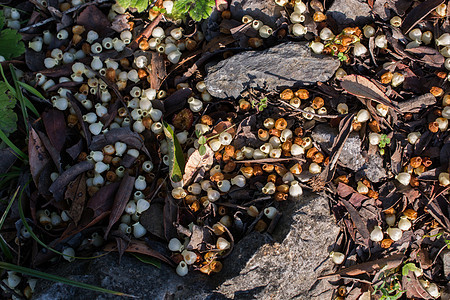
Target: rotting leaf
158 72
201 239
198 163
361 86
152 219
120 201
357 221
59 185
76 107
55 126
38 155
176 157
76 195
418 13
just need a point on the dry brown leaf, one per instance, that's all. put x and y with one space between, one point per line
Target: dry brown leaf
38 155
76 195
198 164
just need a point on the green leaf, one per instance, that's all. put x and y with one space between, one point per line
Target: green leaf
182 6
202 140
11 44
141 5
8 118
31 90
55 278
409 267
202 150
176 157
147 259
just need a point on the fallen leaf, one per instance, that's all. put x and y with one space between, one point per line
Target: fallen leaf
153 219
416 104
387 263
123 134
198 164
418 13
120 201
38 155
361 86
59 185
170 217
158 72
76 107
92 18
76 195
201 239
357 221
176 101
141 247
55 126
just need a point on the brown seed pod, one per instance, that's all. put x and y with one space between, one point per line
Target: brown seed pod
280 124
342 178
229 167
272 178
373 194
386 243
287 94
257 170
286 146
280 196
195 206
318 158
260 226
298 141
142 73
255 42
207 120
386 78
415 162
319 16
144 45
437 91
302 94
281 170
433 127
317 102
374 126
244 105
72 120
275 132
426 161
410 214
263 135
111 176
86 48
311 152
191 44
107 159
76 38
283 188
226 14
125 63
268 168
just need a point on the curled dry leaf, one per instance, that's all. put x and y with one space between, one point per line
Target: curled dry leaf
413 287
359 223
59 185
387 263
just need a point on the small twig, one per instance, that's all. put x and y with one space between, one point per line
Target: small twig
307 112
146 33
257 200
345 277
269 160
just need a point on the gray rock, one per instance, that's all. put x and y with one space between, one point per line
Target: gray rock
350 11
265 10
285 65
373 168
284 266
351 157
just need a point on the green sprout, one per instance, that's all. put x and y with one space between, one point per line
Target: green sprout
384 140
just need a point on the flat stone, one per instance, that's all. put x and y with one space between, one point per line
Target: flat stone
373 168
285 65
283 266
350 11
265 10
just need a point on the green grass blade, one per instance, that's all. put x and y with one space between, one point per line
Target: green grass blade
10 144
35 92
19 96
3 218
147 260
3 245
5 250
59 279
10 87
